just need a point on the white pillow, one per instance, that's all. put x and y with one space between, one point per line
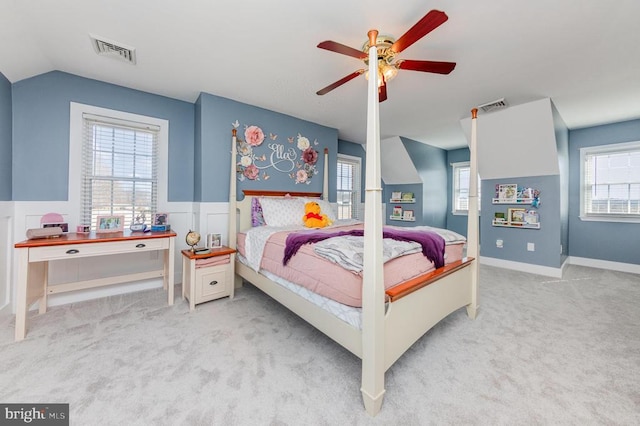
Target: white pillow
285 211
325 208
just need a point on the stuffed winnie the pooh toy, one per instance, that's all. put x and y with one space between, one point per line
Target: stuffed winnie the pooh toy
313 218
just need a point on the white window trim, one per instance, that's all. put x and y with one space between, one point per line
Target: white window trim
359 207
453 189
603 149
76 112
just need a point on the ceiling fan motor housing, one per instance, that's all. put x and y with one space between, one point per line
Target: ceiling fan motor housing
383 46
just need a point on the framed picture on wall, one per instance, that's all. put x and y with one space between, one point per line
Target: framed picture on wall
396 196
516 216
397 211
508 192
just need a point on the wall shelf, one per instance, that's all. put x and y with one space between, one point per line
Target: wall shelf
516 225
402 219
411 201
512 201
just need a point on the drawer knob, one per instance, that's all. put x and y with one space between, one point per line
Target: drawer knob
140 245
73 251
213 282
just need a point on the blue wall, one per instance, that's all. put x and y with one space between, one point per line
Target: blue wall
41 132
5 139
431 164
562 144
613 241
546 239
213 140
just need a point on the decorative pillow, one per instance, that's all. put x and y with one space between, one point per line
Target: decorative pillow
282 211
257 218
325 207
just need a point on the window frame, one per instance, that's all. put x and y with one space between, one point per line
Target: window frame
356 181
596 150
454 187
76 123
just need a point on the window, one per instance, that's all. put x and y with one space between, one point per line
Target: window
117 164
461 174
348 190
610 177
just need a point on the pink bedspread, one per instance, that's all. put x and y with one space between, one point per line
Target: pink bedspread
330 280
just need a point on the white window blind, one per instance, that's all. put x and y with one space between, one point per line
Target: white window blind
611 181
348 190
461 175
119 169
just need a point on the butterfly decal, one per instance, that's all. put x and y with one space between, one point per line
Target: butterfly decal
315 142
265 176
290 139
272 136
236 124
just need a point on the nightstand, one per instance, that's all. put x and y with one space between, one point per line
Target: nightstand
207 276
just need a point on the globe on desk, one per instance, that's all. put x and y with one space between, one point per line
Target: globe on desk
192 239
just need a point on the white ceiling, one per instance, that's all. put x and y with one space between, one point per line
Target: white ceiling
583 54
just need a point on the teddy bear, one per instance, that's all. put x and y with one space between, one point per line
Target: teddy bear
313 218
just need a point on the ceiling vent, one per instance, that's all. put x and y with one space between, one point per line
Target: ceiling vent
113 49
493 106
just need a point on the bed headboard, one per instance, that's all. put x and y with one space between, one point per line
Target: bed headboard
240 210
243 207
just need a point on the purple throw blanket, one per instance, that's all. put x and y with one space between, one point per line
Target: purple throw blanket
432 243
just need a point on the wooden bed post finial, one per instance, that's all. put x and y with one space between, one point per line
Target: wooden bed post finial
373 37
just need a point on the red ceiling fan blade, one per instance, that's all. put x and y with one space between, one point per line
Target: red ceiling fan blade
428 23
339 82
341 48
382 91
427 66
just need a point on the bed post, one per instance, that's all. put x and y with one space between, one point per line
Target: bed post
233 227
472 218
373 280
325 182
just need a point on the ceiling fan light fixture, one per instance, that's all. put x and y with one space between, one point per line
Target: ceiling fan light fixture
389 71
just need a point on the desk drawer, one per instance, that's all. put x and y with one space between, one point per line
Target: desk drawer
72 251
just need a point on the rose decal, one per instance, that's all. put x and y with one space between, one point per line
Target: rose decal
303 143
310 156
251 172
301 176
254 135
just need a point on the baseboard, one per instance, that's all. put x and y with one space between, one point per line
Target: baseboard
605 264
523 267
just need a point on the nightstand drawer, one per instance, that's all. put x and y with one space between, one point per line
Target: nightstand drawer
212 283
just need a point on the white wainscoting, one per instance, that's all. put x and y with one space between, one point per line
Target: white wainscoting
6 251
19 216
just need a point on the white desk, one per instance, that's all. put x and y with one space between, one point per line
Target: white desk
34 256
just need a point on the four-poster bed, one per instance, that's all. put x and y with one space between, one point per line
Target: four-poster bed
393 319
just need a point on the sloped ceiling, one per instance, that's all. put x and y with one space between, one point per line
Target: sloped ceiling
396 166
517 141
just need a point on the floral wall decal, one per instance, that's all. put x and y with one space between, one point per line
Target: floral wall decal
300 164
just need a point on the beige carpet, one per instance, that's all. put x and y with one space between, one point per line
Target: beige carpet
542 351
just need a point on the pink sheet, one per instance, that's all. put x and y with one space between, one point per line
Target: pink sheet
330 280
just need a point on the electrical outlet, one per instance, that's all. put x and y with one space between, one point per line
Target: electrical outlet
499 243
531 247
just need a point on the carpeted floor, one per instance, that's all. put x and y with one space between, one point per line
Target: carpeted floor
542 351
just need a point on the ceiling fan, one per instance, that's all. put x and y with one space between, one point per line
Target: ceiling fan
388 48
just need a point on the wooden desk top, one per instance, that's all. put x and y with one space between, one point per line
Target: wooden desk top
75 238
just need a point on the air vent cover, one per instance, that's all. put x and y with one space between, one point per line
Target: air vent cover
495 105
114 49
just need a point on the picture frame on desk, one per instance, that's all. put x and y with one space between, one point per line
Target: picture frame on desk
161 219
64 226
109 224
